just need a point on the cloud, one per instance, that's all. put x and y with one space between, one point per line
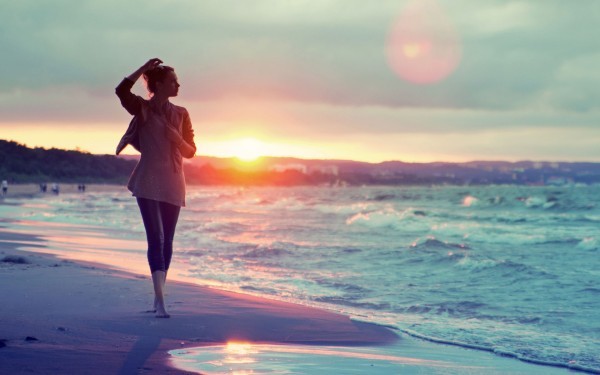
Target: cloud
304 119
574 85
325 52
306 68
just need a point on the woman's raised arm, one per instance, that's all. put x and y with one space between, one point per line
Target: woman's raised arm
130 101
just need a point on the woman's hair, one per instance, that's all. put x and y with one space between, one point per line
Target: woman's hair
157 74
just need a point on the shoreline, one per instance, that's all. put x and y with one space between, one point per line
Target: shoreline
28 191
49 299
61 315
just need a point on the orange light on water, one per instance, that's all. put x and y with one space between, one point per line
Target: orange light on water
238 347
239 353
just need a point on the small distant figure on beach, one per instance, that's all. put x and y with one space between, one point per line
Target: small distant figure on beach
81 188
43 187
55 188
4 187
162 132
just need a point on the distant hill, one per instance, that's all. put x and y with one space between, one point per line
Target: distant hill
20 164
402 173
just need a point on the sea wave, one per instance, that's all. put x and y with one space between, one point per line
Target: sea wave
508 269
389 217
530 358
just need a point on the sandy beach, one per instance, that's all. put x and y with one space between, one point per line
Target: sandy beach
85 312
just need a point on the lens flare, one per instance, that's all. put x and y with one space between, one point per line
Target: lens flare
423 45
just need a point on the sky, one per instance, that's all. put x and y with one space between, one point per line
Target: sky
410 80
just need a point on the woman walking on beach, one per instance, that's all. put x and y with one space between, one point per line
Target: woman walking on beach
163 134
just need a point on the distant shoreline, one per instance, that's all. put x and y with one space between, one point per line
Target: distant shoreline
28 190
20 164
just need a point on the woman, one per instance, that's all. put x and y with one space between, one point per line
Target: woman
163 134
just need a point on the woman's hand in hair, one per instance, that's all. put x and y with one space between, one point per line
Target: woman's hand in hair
151 64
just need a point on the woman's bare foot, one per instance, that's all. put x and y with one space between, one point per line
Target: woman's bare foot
162 313
158 279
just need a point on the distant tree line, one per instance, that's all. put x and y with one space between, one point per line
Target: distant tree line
20 164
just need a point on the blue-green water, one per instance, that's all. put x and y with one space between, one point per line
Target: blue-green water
511 269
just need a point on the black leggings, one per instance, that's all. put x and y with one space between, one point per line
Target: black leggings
160 219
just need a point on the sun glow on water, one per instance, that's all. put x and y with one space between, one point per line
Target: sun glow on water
239 353
246 358
235 347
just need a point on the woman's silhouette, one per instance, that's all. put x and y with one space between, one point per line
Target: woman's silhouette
163 134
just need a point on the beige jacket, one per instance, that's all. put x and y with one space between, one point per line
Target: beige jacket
159 172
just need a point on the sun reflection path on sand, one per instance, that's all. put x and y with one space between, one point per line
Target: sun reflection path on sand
244 358
82 242
423 45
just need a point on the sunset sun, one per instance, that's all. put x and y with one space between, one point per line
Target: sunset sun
247 149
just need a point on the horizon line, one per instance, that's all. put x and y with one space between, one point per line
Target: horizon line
77 149
385 161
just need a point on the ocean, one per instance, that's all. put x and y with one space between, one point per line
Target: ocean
509 269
